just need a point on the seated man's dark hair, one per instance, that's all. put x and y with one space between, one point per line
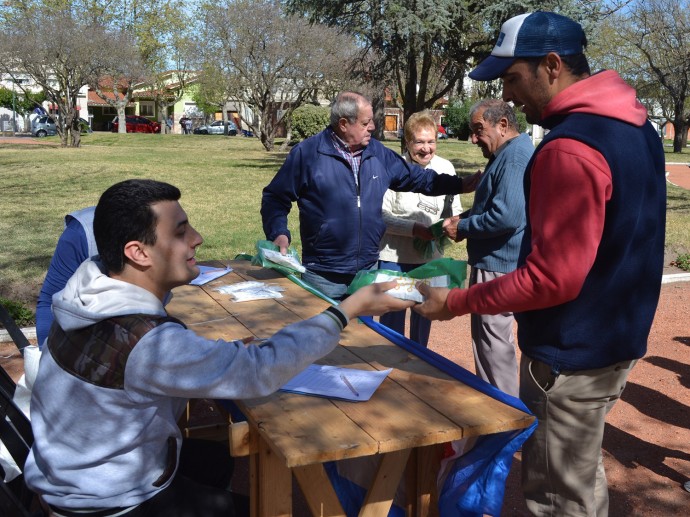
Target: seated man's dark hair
124 214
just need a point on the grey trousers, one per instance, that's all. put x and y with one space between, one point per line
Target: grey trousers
562 464
493 344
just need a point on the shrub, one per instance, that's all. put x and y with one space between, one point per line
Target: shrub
19 312
682 262
308 120
458 118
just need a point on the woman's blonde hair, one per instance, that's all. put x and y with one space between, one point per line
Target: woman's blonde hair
420 120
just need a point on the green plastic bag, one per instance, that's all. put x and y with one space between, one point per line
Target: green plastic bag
267 253
455 270
440 242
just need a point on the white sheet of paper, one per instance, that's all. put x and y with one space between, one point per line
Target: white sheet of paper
208 273
336 382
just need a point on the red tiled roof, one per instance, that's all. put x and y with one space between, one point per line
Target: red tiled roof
94 99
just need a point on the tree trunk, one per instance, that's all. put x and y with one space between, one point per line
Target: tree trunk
288 137
679 128
121 119
267 140
76 136
266 129
378 105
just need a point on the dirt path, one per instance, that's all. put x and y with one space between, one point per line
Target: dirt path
678 174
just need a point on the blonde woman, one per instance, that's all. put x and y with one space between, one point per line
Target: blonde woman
408 215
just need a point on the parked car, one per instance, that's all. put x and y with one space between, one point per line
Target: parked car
43 126
137 124
216 128
442 134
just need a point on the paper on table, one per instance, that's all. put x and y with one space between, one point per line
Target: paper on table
208 273
336 382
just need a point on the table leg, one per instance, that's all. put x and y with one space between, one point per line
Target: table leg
318 491
382 491
271 484
421 481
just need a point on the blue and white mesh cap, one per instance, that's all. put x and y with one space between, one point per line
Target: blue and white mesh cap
531 35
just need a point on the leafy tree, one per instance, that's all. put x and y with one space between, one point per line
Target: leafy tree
458 118
649 44
23 102
116 82
271 62
422 49
211 92
162 32
79 48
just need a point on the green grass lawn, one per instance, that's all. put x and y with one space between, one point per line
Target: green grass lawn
220 178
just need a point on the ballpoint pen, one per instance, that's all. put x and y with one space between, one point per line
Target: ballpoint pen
349 385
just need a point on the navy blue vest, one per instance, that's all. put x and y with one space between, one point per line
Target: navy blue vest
610 319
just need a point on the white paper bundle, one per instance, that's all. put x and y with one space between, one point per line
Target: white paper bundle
407 290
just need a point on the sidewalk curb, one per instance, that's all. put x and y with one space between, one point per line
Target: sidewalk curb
676 277
30 332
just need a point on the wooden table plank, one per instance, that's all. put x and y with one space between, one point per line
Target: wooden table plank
191 305
311 429
475 412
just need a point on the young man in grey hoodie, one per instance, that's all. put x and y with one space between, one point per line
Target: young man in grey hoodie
117 371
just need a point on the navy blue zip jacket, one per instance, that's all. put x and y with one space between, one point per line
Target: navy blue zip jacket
340 222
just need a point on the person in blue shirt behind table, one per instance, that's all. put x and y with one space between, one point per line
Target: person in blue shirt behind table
74 246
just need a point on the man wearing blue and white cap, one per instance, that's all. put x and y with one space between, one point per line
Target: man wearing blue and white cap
589 272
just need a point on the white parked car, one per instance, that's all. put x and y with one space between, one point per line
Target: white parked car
216 128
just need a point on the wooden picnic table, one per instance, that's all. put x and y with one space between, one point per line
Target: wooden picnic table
400 430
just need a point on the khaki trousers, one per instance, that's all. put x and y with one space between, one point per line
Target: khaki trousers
562 464
493 344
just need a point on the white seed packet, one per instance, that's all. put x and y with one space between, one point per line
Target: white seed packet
406 289
283 260
263 294
251 290
239 286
